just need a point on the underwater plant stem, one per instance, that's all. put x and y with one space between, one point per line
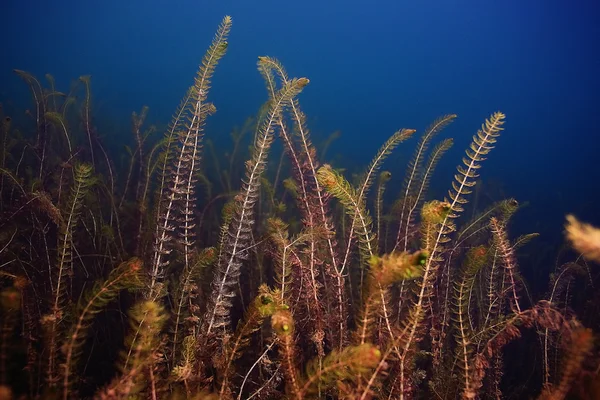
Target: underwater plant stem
40 119
508 259
308 152
277 175
480 146
238 231
412 177
86 116
64 263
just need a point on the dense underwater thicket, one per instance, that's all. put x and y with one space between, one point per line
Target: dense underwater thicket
129 283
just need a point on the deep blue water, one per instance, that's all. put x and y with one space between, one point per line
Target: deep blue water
374 67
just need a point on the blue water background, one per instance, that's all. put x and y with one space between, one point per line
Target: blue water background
374 67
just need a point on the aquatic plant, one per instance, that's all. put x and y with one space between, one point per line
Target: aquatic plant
109 292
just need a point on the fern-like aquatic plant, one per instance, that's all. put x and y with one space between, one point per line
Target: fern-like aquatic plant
411 196
178 198
383 272
239 230
266 303
507 257
475 260
355 207
146 321
384 177
83 180
313 203
367 180
188 282
282 323
439 228
127 276
317 355
579 345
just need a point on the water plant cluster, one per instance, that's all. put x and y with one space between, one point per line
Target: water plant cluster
127 283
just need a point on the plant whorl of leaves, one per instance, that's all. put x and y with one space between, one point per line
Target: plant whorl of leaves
342 365
395 267
355 207
435 211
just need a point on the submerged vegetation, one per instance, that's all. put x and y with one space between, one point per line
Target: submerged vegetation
125 283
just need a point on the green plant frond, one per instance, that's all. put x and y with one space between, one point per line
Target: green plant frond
146 320
282 324
85 79
204 181
434 157
337 366
384 177
30 80
184 369
435 212
291 186
264 305
267 187
368 176
464 347
523 240
214 53
178 181
83 180
412 203
265 67
68 102
127 276
278 233
278 230
507 257
187 284
54 93
507 208
414 168
475 260
355 207
437 221
270 64
383 272
239 230
502 209
176 124
483 142
436 127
